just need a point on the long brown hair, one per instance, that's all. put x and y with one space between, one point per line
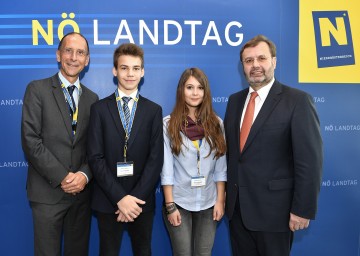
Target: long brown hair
204 113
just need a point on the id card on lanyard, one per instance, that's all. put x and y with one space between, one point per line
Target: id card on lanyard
125 168
199 180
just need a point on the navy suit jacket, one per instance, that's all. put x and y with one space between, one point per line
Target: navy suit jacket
279 169
106 148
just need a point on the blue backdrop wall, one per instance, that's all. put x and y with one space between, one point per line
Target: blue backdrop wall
177 35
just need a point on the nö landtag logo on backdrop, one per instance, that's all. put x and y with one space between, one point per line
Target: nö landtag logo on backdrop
339 183
11 102
334 44
14 164
342 128
318 99
169 30
220 99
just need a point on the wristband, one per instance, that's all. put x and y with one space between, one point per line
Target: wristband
170 208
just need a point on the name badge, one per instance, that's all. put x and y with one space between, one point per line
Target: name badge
125 169
198 181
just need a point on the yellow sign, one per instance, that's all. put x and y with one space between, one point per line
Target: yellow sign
329 45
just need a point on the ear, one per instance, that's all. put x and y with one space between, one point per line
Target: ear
58 56
87 60
114 71
274 62
142 72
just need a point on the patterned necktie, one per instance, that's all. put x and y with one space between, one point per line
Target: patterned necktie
126 109
248 120
71 89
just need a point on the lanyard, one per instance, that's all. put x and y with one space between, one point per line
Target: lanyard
127 127
72 106
197 144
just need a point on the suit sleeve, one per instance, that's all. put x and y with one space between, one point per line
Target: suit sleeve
154 163
38 155
308 158
85 166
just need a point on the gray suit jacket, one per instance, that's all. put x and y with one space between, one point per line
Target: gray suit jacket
47 140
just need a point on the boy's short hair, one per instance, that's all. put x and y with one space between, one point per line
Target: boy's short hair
129 49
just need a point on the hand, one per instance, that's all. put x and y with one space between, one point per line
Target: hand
74 183
218 212
174 218
297 222
129 207
121 217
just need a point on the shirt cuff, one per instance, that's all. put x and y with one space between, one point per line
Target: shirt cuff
87 179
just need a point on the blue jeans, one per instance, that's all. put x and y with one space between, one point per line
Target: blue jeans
195 235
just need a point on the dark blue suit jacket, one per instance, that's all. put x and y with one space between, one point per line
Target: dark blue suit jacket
106 148
279 170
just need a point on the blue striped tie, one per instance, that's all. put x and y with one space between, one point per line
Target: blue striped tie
126 109
71 89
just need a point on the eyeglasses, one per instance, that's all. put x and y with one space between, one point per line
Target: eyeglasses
259 59
70 52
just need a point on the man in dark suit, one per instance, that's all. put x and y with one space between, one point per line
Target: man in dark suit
274 172
54 135
126 155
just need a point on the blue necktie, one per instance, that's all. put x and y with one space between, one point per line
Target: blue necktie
126 109
71 89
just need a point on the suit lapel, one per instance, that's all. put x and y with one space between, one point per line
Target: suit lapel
83 104
139 116
114 112
61 102
239 108
270 103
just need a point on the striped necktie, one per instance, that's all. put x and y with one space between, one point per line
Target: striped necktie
126 109
71 89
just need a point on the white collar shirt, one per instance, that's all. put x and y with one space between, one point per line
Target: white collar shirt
259 100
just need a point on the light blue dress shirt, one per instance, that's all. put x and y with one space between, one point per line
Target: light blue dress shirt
67 84
178 171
